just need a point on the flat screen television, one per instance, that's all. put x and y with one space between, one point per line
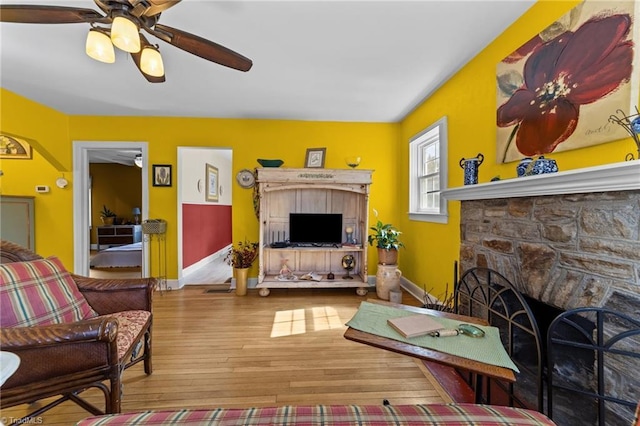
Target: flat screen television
315 228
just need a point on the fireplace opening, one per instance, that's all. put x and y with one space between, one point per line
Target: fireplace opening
579 360
544 314
573 367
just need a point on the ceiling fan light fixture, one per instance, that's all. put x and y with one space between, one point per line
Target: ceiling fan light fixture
151 61
125 35
99 46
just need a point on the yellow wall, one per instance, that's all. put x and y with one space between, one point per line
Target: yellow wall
53 210
468 100
249 139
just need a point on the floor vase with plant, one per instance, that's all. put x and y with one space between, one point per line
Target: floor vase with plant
241 257
387 240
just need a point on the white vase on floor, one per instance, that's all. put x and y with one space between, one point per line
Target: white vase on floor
387 279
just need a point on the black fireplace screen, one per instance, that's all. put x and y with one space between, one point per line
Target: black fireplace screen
486 294
588 351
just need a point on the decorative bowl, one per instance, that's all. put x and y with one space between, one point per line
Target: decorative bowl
352 162
270 163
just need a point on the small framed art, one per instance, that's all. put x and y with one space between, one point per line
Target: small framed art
14 148
162 175
212 184
315 157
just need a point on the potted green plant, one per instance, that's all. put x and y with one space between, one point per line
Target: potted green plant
386 238
107 216
241 257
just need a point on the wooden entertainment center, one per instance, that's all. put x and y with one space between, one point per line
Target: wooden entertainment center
285 191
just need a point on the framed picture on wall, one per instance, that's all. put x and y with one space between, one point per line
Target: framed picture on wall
315 157
557 95
14 148
162 175
212 184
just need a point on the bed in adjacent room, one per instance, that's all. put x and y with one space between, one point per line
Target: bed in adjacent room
127 256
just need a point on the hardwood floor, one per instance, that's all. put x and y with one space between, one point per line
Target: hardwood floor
222 350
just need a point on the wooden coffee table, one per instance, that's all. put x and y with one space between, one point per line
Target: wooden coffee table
480 369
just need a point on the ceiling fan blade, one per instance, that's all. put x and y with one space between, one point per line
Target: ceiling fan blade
201 47
33 14
150 78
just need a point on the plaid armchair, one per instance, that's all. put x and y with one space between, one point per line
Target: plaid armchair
70 332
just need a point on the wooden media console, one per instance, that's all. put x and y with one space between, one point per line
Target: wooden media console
285 191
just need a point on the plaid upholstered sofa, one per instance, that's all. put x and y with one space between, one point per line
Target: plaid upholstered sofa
70 332
333 415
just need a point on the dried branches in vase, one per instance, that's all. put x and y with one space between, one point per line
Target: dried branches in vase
443 302
242 255
631 123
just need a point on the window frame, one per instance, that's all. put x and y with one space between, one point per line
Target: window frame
416 143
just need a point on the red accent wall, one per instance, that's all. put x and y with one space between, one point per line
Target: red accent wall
206 229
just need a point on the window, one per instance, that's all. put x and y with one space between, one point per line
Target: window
428 173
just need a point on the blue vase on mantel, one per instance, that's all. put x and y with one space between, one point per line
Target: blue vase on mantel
528 166
470 167
523 165
544 165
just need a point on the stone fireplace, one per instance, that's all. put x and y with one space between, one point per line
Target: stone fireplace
565 250
566 240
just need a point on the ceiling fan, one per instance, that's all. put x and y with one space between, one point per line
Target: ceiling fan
120 26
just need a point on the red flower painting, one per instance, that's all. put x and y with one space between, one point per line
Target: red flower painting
571 70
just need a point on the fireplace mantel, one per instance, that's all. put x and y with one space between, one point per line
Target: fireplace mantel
624 176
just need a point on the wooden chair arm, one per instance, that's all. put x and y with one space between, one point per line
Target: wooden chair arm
107 296
11 252
91 330
59 352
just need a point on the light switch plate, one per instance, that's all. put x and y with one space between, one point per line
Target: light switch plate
42 188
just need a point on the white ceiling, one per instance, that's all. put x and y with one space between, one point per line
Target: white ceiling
370 61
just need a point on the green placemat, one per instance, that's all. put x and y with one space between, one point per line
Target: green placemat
372 318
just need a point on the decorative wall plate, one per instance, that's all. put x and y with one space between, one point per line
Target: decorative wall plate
245 178
61 182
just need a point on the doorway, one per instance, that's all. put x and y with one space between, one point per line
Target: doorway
82 152
204 214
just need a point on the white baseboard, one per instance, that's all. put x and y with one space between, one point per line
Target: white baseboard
174 285
417 292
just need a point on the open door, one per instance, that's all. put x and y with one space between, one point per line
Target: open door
81 198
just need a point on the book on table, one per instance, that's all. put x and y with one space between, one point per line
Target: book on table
415 325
